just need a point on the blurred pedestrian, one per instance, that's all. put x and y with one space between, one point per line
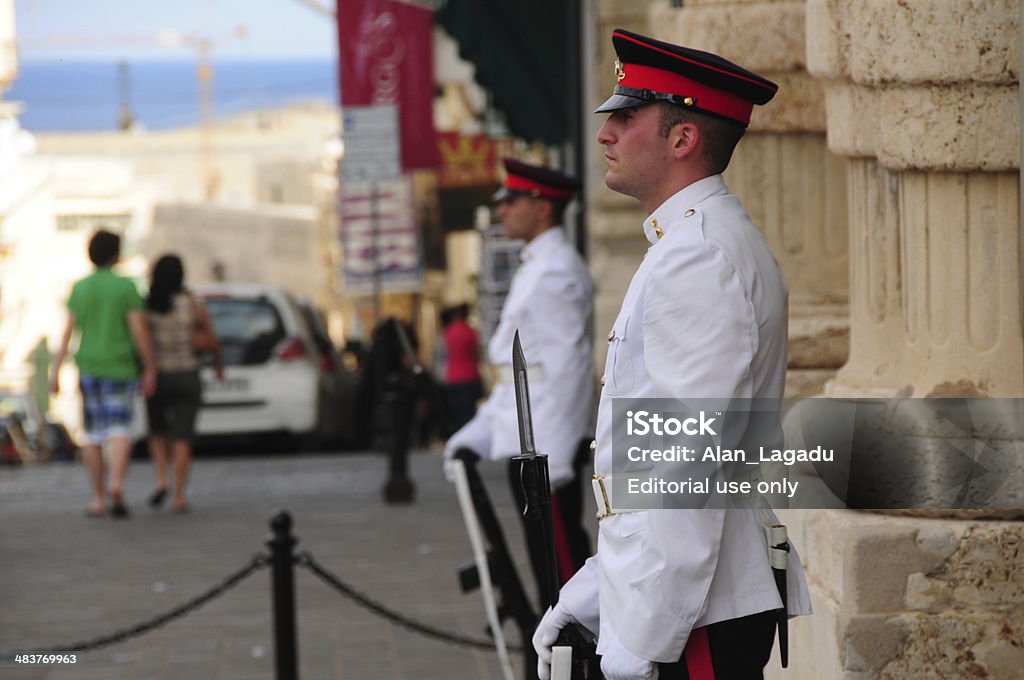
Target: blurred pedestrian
106 310
462 385
182 331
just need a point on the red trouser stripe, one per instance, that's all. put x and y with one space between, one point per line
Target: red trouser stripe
698 656
563 554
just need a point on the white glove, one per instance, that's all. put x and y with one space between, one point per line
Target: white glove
475 436
618 663
449 467
556 618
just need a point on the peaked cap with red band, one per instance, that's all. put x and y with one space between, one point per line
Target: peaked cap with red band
650 70
522 179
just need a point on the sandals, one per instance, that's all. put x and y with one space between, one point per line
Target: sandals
156 499
117 507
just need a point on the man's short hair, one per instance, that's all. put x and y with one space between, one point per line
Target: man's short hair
104 248
720 135
558 207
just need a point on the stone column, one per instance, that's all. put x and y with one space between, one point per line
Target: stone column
792 185
922 96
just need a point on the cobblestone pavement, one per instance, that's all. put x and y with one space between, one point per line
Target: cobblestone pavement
66 578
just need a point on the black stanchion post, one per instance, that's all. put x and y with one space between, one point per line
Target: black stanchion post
399 488
281 543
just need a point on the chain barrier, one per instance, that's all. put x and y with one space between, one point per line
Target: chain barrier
259 561
306 559
256 563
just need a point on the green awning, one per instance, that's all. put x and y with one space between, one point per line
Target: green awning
519 50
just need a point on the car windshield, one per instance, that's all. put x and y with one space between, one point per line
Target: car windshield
248 329
316 328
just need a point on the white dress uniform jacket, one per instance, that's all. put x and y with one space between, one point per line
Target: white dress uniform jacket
704 316
550 302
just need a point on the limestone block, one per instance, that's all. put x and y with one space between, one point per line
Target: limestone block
827 41
852 119
882 558
795 192
896 597
612 264
765 37
760 36
869 642
703 3
799 105
933 41
824 552
988 569
818 342
617 221
959 645
972 126
631 10
807 382
914 41
923 594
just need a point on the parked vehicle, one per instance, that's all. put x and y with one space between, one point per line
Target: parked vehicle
273 376
339 382
10 452
27 435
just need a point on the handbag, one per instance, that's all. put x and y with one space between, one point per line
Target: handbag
204 339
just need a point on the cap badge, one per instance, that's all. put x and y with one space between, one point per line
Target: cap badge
620 73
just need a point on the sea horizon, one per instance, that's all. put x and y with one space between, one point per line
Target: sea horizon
85 95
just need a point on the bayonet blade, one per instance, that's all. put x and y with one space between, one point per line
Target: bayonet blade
526 444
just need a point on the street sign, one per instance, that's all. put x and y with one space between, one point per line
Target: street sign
372 147
380 239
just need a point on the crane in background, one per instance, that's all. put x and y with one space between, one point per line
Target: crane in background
202 46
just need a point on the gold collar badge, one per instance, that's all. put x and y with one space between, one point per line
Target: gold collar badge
620 73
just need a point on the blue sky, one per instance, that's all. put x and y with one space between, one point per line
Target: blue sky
105 30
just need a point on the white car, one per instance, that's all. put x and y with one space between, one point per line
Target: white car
272 374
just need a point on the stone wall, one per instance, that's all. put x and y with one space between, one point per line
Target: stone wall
922 96
892 153
902 598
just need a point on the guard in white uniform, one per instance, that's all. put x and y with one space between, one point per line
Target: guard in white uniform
550 304
684 593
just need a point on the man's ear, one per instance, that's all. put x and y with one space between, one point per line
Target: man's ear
546 211
685 140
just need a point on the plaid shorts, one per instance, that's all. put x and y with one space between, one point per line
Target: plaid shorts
107 407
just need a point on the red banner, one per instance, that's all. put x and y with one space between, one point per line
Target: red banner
386 51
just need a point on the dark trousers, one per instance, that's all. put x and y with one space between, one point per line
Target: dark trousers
737 649
572 545
460 400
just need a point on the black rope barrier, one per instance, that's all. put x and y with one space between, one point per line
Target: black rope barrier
306 559
281 559
256 563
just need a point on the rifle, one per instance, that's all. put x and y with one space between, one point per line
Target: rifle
573 656
492 570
